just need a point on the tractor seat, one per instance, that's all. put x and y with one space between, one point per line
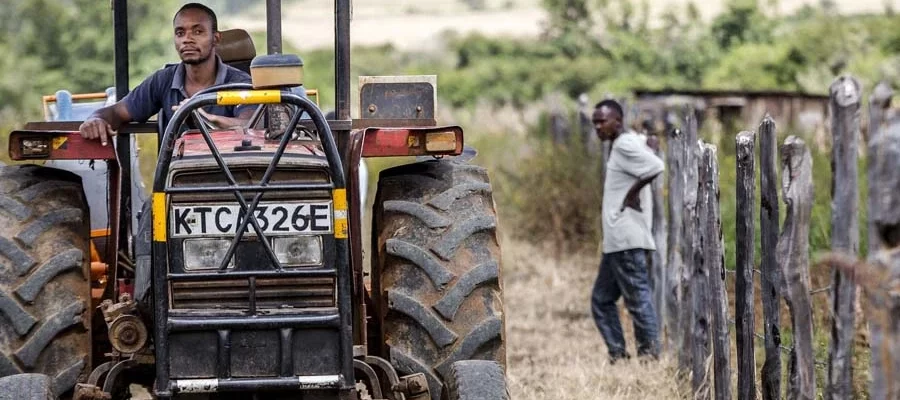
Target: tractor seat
236 49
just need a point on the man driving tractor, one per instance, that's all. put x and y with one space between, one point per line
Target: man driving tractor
196 37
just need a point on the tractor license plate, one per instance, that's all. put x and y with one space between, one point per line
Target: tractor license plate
275 219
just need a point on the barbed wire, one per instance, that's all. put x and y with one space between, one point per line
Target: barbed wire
784 348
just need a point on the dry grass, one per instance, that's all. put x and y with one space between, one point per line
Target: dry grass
554 350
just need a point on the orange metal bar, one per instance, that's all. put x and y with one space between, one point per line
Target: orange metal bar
79 96
99 232
51 98
99 269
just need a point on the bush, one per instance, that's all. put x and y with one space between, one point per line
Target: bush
552 195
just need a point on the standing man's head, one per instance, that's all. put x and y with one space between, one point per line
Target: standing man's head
196 33
607 119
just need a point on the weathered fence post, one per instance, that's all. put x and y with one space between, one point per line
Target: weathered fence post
744 247
560 131
699 282
714 257
658 274
675 263
585 125
845 109
881 277
883 290
793 255
691 155
768 177
878 104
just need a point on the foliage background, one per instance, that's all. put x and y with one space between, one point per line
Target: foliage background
502 89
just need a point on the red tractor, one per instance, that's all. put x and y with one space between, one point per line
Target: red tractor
242 274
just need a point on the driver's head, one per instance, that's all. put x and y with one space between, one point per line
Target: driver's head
196 33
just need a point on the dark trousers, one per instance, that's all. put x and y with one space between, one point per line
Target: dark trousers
626 274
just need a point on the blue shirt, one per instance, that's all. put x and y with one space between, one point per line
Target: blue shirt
165 88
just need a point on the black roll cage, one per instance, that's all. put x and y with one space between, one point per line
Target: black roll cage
161 275
342 12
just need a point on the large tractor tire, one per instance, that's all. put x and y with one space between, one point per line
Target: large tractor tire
26 387
436 269
476 380
45 294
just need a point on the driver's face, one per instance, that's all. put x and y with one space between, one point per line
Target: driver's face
194 37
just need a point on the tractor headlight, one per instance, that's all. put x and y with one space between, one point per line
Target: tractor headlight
297 251
35 147
205 253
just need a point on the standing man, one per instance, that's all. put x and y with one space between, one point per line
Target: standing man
196 37
627 238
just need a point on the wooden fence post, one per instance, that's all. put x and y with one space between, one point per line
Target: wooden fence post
690 234
699 282
793 255
845 110
768 177
714 258
883 290
878 104
658 271
675 263
744 243
881 277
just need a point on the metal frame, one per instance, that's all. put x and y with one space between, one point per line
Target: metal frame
335 145
342 321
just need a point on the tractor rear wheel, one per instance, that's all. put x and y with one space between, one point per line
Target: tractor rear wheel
476 380
45 294
26 387
436 269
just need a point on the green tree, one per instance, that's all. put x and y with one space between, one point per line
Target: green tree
742 22
69 45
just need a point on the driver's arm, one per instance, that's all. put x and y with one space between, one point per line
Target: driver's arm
103 123
229 122
139 105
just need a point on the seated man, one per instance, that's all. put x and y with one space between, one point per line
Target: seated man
196 37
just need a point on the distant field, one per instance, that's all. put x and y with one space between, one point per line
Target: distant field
415 25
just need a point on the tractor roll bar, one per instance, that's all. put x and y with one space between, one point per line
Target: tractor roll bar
273 26
161 274
167 144
342 59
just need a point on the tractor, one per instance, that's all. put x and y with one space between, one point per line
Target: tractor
241 273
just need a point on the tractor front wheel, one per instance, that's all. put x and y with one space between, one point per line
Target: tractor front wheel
436 269
476 380
45 293
26 387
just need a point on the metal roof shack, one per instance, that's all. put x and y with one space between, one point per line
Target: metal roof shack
731 111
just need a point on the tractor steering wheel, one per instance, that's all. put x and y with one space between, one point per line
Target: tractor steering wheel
254 119
199 118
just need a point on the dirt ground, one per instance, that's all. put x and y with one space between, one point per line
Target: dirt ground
553 348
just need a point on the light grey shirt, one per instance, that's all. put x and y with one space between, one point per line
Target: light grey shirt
630 160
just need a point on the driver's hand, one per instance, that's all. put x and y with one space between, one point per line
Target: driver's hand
177 106
97 128
213 119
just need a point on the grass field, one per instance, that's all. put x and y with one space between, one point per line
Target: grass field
554 350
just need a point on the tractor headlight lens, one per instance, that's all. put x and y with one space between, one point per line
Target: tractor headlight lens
440 141
35 147
298 251
200 254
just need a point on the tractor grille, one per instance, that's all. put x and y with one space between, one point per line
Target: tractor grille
234 294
